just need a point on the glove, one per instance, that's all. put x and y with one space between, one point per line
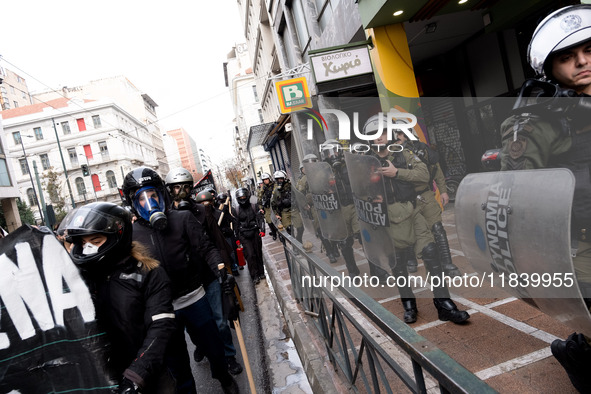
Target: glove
228 284
128 387
261 234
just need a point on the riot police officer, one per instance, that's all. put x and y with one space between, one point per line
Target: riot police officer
426 203
408 228
332 153
558 135
303 187
264 202
284 206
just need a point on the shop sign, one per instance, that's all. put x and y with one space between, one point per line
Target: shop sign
346 63
293 95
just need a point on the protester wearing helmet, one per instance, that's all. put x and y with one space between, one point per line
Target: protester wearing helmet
128 285
251 229
426 202
264 202
179 182
332 153
401 170
284 206
558 135
190 260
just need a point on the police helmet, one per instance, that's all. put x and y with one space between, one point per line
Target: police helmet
565 28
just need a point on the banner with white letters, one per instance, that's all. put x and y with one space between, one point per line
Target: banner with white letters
49 338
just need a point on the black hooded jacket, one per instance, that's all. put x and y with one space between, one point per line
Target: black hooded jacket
183 249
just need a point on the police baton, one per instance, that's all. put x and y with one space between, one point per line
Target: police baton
242 347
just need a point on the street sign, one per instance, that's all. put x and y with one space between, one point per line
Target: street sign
293 95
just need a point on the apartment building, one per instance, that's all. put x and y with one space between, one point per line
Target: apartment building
90 144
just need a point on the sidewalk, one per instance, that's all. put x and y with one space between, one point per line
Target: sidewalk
505 343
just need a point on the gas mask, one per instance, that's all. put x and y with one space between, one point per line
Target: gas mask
279 182
150 204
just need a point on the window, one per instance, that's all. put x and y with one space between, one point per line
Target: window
261 116
45 161
103 149
73 156
324 10
96 183
80 186
66 127
24 94
24 167
300 24
38 133
256 95
81 124
111 180
4 177
15 104
31 196
96 121
88 152
16 136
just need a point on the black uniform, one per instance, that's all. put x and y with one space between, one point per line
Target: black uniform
250 223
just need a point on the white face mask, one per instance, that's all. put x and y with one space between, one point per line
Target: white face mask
89 249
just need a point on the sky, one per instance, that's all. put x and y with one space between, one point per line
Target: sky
174 51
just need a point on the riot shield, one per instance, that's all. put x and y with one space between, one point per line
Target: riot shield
305 209
369 195
515 231
326 201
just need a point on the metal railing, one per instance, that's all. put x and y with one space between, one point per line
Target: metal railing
366 364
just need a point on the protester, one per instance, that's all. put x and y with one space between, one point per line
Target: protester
131 292
251 229
179 242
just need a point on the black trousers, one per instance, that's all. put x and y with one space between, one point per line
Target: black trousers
253 252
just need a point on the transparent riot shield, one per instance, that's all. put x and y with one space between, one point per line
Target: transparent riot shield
305 209
326 201
369 195
514 228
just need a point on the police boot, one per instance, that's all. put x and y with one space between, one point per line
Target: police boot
273 231
349 256
574 354
412 263
446 308
410 310
444 253
329 248
406 295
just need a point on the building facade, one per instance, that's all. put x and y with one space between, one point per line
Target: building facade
127 96
188 152
90 144
14 92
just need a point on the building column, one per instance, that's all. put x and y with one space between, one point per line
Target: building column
11 215
391 60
